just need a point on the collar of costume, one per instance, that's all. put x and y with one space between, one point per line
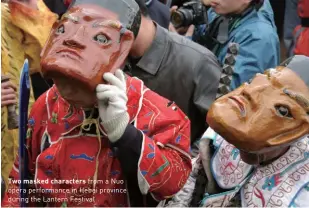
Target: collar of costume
281 183
72 120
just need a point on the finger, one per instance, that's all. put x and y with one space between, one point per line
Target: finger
106 95
8 85
172 28
113 80
207 2
8 97
11 85
104 87
7 91
113 95
120 75
182 30
8 102
117 105
173 8
190 31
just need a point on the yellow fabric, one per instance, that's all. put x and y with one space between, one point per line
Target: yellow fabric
24 33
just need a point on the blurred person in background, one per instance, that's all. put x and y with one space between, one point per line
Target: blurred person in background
176 68
242 34
301 32
8 98
25 28
291 20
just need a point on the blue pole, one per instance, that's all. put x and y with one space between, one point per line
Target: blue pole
24 94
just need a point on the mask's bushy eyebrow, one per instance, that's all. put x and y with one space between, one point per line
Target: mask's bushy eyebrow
70 17
300 99
113 24
267 73
108 23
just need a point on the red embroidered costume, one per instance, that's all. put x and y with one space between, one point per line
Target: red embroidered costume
60 147
302 31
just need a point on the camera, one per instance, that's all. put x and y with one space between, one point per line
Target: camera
192 12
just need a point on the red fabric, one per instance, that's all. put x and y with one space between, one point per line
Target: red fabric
303 8
67 2
302 41
164 165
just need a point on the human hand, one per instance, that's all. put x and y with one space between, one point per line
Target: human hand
173 8
172 28
190 31
8 93
112 102
206 2
186 31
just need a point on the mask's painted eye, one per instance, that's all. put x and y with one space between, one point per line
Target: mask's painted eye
283 111
101 39
60 29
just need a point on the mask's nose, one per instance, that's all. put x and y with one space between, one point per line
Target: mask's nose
253 90
76 41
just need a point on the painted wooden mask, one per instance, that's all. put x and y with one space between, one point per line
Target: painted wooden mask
269 113
92 38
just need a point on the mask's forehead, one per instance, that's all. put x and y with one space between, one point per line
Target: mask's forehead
87 13
291 84
287 77
127 10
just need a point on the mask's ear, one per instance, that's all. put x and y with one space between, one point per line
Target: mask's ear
290 136
126 41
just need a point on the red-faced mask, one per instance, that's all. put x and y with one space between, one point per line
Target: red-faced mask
90 40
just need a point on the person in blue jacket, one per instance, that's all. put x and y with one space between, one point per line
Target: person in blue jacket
242 34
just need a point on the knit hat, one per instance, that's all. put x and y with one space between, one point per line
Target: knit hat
299 64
